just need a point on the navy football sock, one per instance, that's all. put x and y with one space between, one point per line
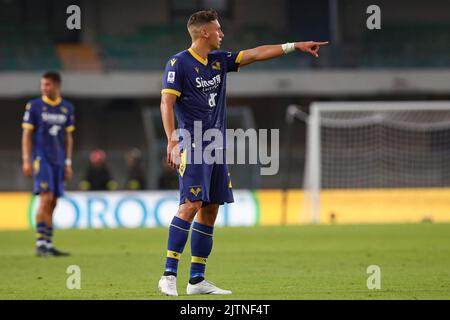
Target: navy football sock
178 235
49 234
201 246
41 234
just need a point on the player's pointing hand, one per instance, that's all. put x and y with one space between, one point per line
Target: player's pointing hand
311 47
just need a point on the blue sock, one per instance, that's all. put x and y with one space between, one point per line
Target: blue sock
178 235
49 234
41 234
201 246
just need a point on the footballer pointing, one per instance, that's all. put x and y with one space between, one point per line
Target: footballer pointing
194 88
47 143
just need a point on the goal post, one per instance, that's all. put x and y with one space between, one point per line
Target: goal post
363 155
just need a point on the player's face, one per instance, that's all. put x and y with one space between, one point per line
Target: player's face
215 34
49 88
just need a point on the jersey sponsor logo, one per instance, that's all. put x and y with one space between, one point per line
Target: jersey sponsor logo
172 62
195 190
208 84
53 118
171 77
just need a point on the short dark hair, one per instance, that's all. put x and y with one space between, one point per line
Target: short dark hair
53 76
201 17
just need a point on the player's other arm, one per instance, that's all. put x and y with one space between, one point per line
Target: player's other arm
267 52
168 118
27 144
69 150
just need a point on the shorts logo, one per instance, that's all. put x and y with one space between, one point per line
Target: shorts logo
36 166
171 77
195 191
172 62
182 165
44 185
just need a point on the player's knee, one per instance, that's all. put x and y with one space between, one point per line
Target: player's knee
54 202
208 215
47 200
188 210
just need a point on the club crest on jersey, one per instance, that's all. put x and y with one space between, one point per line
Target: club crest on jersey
172 62
195 190
215 65
64 110
197 69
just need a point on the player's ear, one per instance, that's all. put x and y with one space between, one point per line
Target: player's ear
204 32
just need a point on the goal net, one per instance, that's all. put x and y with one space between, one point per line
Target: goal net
363 157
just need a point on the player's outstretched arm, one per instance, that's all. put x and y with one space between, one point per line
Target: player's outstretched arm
267 52
27 142
168 118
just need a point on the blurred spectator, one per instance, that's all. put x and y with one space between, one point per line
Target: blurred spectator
98 176
168 180
135 173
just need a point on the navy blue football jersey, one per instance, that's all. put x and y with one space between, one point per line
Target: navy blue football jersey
200 87
50 120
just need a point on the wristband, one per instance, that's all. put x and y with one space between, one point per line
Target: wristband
288 47
68 162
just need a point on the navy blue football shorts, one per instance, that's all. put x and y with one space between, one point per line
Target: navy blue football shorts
209 183
48 177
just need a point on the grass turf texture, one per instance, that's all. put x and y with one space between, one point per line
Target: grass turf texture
294 262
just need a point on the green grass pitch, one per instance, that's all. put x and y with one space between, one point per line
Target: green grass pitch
293 262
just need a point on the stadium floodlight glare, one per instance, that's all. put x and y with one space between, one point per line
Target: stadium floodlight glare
373 145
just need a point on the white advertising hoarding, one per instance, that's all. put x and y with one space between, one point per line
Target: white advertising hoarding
82 210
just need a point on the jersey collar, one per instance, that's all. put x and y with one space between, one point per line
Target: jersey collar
51 102
197 57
